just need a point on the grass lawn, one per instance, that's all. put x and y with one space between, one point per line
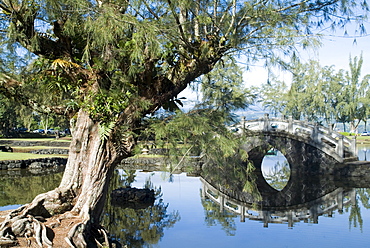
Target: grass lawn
33 148
23 156
363 139
64 139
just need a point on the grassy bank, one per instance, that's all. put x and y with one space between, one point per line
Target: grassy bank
63 139
361 139
33 148
24 156
23 152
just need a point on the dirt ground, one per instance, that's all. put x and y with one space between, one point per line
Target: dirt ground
59 231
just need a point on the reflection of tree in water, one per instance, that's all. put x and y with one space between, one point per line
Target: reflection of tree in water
355 217
279 175
126 178
137 228
213 217
232 175
364 196
22 188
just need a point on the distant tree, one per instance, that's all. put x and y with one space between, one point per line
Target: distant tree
356 92
8 117
26 116
108 64
320 93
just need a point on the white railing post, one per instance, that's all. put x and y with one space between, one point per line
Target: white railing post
222 203
340 147
353 146
340 201
290 125
242 213
315 133
266 123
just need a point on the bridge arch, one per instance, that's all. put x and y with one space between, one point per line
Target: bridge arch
304 161
331 143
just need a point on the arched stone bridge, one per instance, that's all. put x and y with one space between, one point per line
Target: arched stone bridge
331 143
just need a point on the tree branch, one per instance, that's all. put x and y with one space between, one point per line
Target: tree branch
10 88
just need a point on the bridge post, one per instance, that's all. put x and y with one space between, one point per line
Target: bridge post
222 203
242 214
290 218
266 123
352 196
340 202
340 147
353 147
315 133
204 189
266 218
290 125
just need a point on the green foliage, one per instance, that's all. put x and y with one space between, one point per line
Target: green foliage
278 176
318 93
356 93
203 130
56 80
223 89
355 217
8 117
105 130
105 57
364 197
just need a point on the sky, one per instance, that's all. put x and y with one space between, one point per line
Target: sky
335 50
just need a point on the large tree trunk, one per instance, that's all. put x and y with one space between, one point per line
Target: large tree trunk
90 165
82 191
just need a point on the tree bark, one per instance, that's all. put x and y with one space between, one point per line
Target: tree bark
83 189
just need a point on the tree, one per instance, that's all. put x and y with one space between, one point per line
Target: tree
222 89
355 91
320 93
8 115
108 64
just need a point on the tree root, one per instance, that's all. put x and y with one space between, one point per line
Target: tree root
30 220
76 237
24 226
26 221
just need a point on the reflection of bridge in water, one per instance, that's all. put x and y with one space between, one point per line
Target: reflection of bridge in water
318 159
307 212
331 143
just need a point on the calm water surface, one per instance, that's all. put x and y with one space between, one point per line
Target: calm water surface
185 216
201 227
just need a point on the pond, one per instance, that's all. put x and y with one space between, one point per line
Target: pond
195 220
191 212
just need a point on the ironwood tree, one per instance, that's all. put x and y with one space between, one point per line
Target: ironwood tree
343 95
107 64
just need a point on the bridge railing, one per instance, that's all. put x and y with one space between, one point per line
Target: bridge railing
321 136
309 210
